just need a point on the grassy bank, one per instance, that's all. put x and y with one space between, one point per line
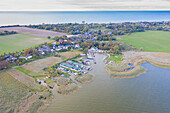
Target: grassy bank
158 64
85 78
133 73
117 67
116 58
28 72
68 89
12 92
62 81
153 41
35 106
121 70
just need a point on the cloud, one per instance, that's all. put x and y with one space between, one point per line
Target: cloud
83 4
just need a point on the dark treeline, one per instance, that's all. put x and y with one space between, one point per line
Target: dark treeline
110 28
7 32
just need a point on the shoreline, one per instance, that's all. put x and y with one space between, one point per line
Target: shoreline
136 61
85 81
158 64
77 87
45 104
137 71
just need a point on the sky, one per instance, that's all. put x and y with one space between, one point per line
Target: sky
83 5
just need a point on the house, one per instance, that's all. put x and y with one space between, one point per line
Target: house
54 43
109 32
58 49
72 36
93 49
28 57
65 40
60 46
14 58
7 56
83 55
61 40
42 53
21 57
52 50
77 46
72 42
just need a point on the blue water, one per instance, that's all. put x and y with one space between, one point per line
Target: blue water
147 93
13 18
132 67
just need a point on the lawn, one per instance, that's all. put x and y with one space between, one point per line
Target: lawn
153 41
17 42
115 58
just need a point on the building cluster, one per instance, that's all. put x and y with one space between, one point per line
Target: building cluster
75 67
64 46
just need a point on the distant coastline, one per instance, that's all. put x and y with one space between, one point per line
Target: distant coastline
55 17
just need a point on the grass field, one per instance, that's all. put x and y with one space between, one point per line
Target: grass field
34 32
153 41
115 58
17 42
12 93
70 54
38 65
22 76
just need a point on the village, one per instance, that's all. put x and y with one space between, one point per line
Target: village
103 31
41 51
96 39
47 49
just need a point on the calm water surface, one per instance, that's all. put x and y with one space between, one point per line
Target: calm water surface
147 93
13 18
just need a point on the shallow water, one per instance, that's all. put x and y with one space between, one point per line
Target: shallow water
148 93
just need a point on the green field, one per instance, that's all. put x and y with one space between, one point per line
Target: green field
17 42
153 41
115 58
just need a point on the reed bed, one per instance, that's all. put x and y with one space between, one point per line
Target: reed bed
117 67
85 78
12 93
133 73
62 81
67 89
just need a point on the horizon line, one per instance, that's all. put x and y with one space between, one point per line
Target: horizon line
84 10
